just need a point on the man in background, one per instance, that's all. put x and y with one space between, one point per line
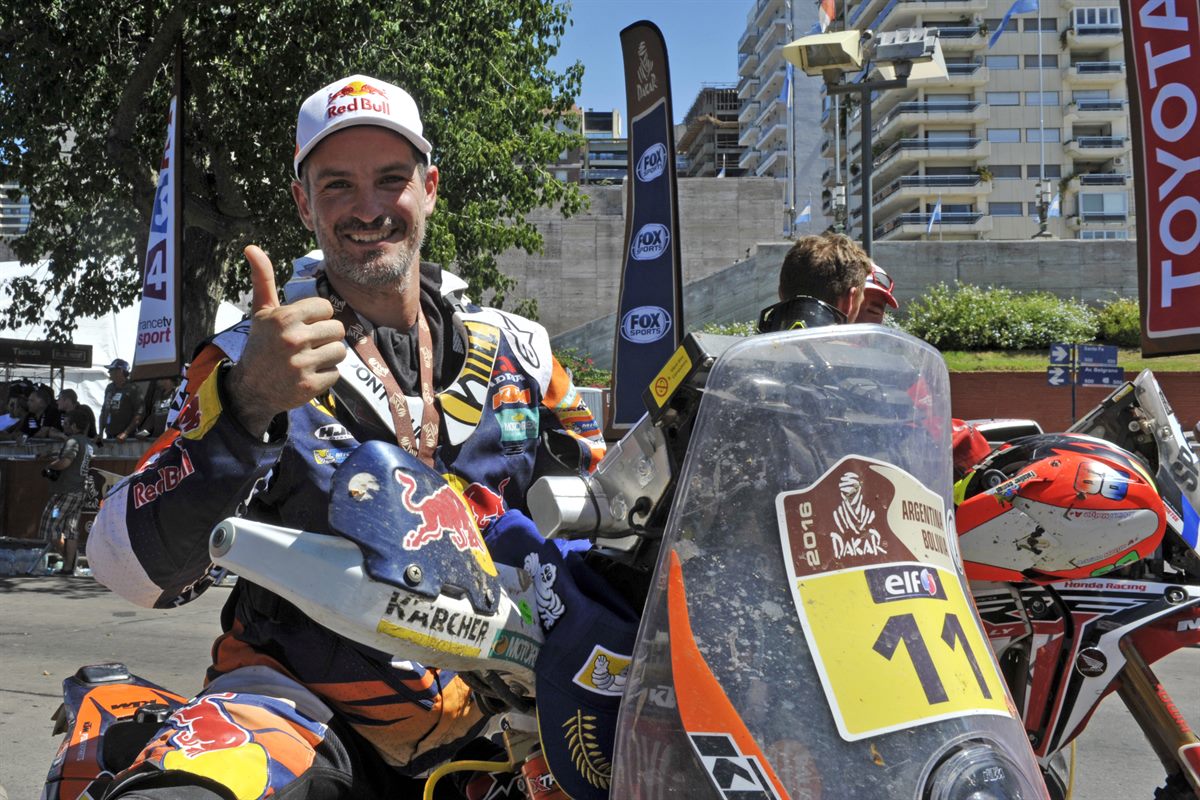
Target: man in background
877 296
820 283
121 403
68 401
68 473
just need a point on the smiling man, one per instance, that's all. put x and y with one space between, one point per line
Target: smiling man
373 344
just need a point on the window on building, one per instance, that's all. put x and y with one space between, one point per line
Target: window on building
1033 171
1004 98
1041 98
1005 172
1106 203
961 169
1104 234
1003 62
1043 135
993 24
1049 61
1005 209
1083 19
951 135
1004 135
1089 94
1047 24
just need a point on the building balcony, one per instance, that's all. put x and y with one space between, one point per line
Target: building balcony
747 136
748 113
884 102
747 63
775 135
1094 110
863 12
1095 73
765 11
958 38
971 74
904 154
748 39
773 162
915 225
771 37
747 87
1094 36
1099 219
1091 180
1096 147
905 10
770 88
772 62
907 189
749 159
906 115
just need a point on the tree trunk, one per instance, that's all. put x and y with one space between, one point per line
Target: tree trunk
203 280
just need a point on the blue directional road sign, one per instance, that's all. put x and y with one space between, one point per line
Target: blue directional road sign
1058 376
1099 354
1094 375
1060 353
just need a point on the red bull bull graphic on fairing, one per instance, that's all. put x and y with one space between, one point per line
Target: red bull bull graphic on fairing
442 512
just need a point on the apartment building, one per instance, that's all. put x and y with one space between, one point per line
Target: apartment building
708 145
769 148
14 210
1047 103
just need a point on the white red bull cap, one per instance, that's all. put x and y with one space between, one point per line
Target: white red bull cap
357 100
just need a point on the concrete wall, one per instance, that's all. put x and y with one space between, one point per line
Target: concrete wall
1087 270
578 276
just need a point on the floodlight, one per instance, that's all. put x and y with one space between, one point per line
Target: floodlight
825 51
912 53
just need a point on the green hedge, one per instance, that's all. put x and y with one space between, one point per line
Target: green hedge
966 317
1120 322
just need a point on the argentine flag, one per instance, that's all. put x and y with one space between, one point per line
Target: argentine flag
936 216
805 214
1018 7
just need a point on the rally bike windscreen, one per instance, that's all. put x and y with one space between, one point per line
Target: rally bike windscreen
809 632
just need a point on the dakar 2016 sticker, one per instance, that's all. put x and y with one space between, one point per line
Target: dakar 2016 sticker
882 606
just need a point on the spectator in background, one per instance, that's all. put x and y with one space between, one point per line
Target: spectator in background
68 401
153 416
877 296
68 473
44 420
122 402
820 283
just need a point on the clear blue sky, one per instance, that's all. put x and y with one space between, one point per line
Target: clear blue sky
701 38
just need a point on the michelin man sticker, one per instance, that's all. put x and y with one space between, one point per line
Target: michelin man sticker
877 591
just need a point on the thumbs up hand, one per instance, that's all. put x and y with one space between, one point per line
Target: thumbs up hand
291 354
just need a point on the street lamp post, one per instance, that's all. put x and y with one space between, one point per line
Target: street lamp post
864 90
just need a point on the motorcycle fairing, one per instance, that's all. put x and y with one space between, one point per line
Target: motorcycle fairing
89 712
1060 701
778 411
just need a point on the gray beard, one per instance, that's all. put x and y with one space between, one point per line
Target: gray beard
394 273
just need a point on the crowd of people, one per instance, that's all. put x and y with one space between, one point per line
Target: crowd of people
129 409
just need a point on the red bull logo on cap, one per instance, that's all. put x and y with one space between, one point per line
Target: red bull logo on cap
359 95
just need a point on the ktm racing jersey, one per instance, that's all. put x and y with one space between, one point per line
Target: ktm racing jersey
150 541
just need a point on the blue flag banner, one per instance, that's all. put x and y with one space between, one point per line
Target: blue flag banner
1018 7
936 216
1055 209
650 311
805 214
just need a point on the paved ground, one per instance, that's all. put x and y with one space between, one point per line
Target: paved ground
50 626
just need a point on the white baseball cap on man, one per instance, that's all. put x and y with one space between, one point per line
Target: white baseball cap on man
358 100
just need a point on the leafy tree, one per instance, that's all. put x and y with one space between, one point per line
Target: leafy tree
84 90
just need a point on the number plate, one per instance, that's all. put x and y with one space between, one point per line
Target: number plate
875 586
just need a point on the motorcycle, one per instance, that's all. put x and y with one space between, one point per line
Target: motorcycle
783 515
1083 565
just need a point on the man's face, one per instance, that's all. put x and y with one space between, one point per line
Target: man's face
37 404
64 403
873 307
365 200
117 376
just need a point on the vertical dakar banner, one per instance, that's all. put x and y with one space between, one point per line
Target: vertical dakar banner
156 354
1162 53
650 314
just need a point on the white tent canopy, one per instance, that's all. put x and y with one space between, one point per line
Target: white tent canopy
111 336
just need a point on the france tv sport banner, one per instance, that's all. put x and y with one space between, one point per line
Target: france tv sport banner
650 313
1162 54
156 354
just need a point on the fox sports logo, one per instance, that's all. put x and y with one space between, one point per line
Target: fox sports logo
650 242
652 163
645 324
